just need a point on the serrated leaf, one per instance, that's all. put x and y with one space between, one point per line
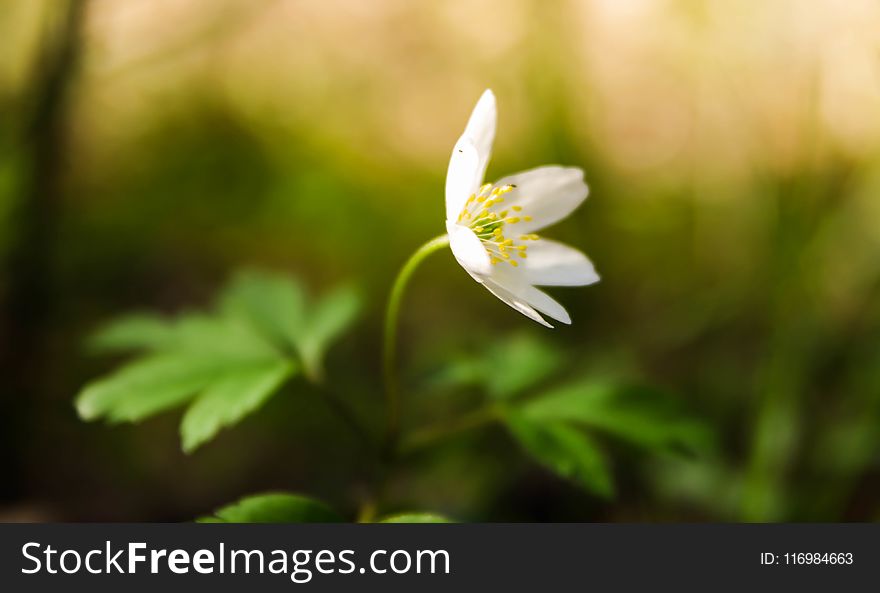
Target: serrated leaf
134 332
278 308
565 450
274 305
146 387
506 369
329 318
415 518
228 362
225 337
274 508
204 352
644 416
518 363
229 399
220 361
188 333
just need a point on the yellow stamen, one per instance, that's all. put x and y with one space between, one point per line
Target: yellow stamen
489 225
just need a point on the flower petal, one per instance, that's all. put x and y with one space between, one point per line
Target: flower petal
551 263
468 250
463 177
516 303
480 129
546 194
515 282
470 156
546 304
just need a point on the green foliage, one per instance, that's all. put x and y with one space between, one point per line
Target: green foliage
565 450
280 507
555 424
507 367
643 416
136 331
274 508
415 518
552 426
280 309
225 364
328 319
225 401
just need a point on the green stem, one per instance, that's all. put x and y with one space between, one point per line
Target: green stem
392 313
347 416
431 434
366 512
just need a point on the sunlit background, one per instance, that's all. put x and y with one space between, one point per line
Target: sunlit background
150 148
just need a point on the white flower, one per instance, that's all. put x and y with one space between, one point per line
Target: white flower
492 227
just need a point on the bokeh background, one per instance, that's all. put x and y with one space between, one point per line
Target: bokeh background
149 148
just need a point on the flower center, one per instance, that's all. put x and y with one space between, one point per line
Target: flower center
491 222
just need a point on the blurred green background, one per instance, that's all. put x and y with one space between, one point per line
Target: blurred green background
150 148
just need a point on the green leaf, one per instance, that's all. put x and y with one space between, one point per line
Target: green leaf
328 319
644 416
278 308
228 400
274 508
227 362
147 387
191 333
134 332
518 363
225 337
565 450
506 369
415 518
274 305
